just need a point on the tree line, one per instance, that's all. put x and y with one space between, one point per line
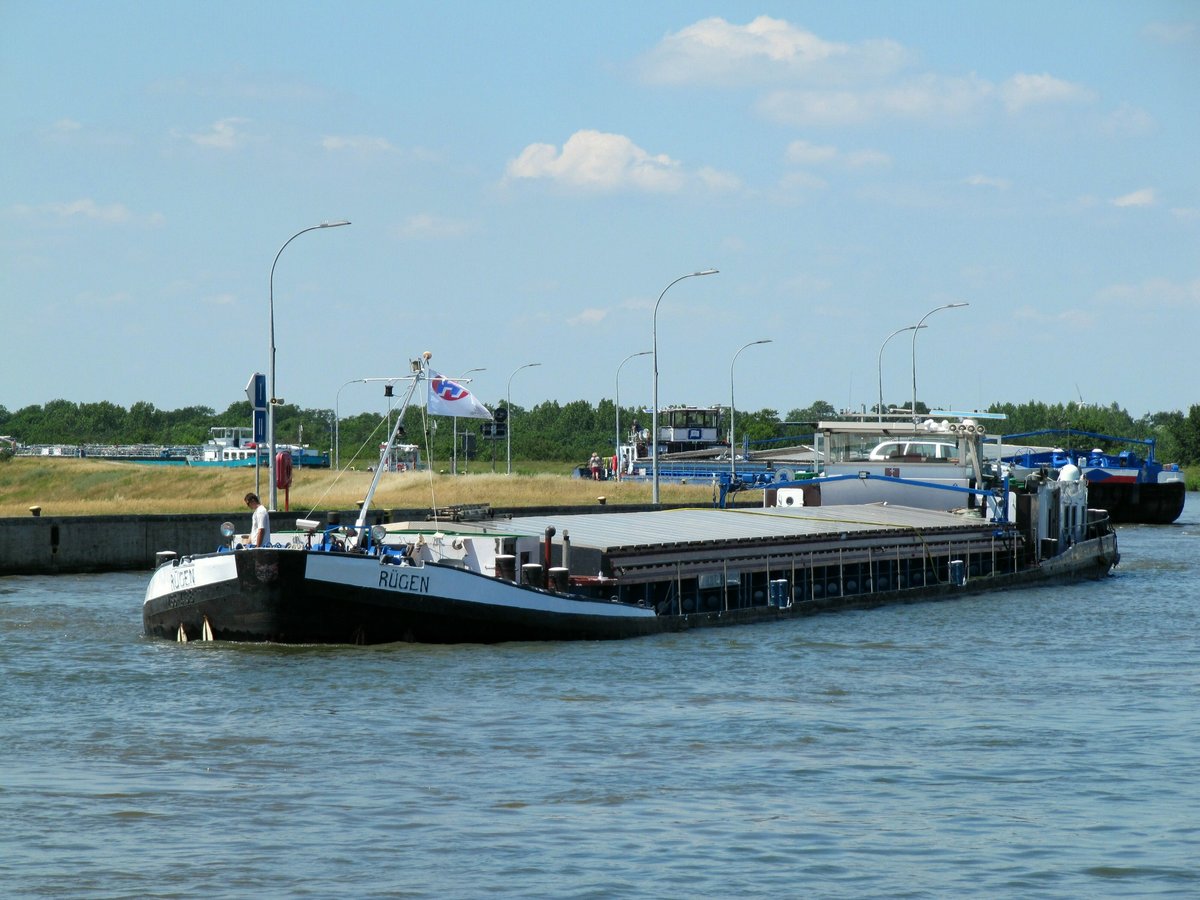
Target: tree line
548 431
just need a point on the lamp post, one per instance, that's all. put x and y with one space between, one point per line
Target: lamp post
508 404
914 350
654 351
618 404
454 461
337 424
880 363
732 451
272 401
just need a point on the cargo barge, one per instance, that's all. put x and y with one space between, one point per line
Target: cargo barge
1132 488
620 575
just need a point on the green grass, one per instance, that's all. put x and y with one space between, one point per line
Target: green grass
75 487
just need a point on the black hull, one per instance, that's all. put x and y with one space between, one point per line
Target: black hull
1146 504
271 599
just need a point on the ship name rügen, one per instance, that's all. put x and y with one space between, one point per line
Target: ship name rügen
404 581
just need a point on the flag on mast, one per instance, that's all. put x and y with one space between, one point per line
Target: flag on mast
448 398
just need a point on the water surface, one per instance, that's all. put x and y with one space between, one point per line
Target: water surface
1034 743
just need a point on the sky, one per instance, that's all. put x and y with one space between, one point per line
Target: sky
527 180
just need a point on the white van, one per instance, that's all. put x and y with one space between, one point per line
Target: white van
915 451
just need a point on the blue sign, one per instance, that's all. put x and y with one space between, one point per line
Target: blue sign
256 391
260 426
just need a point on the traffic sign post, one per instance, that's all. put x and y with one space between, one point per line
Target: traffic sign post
256 393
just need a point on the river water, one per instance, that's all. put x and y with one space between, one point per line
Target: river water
1035 743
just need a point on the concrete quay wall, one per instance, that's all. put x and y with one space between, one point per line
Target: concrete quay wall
62 545
52 545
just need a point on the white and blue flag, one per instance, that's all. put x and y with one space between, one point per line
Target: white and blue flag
448 398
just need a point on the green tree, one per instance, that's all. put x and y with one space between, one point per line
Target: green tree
143 423
101 423
819 410
1181 436
757 427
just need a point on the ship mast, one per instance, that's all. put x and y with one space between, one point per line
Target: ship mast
418 367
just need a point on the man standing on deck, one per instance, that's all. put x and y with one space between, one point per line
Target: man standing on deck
260 522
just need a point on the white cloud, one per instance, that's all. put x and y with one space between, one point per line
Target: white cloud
802 181
804 153
1002 184
1154 293
104 301
1073 319
733 244
1128 120
596 160
224 135
71 132
1143 197
805 285
716 180
1172 32
861 159
238 85
1023 91
88 209
427 226
113 213
927 97
814 81
357 143
588 317
715 51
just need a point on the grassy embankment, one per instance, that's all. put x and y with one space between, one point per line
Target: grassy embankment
82 487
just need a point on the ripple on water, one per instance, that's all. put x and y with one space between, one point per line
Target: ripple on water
1032 743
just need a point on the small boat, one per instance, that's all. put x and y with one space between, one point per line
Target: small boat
693 446
690 441
934 464
234 446
615 575
1132 488
228 446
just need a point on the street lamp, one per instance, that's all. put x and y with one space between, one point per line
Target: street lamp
508 405
618 404
732 451
880 363
914 350
654 351
337 424
454 461
273 400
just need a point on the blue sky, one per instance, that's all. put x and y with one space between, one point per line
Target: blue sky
524 179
